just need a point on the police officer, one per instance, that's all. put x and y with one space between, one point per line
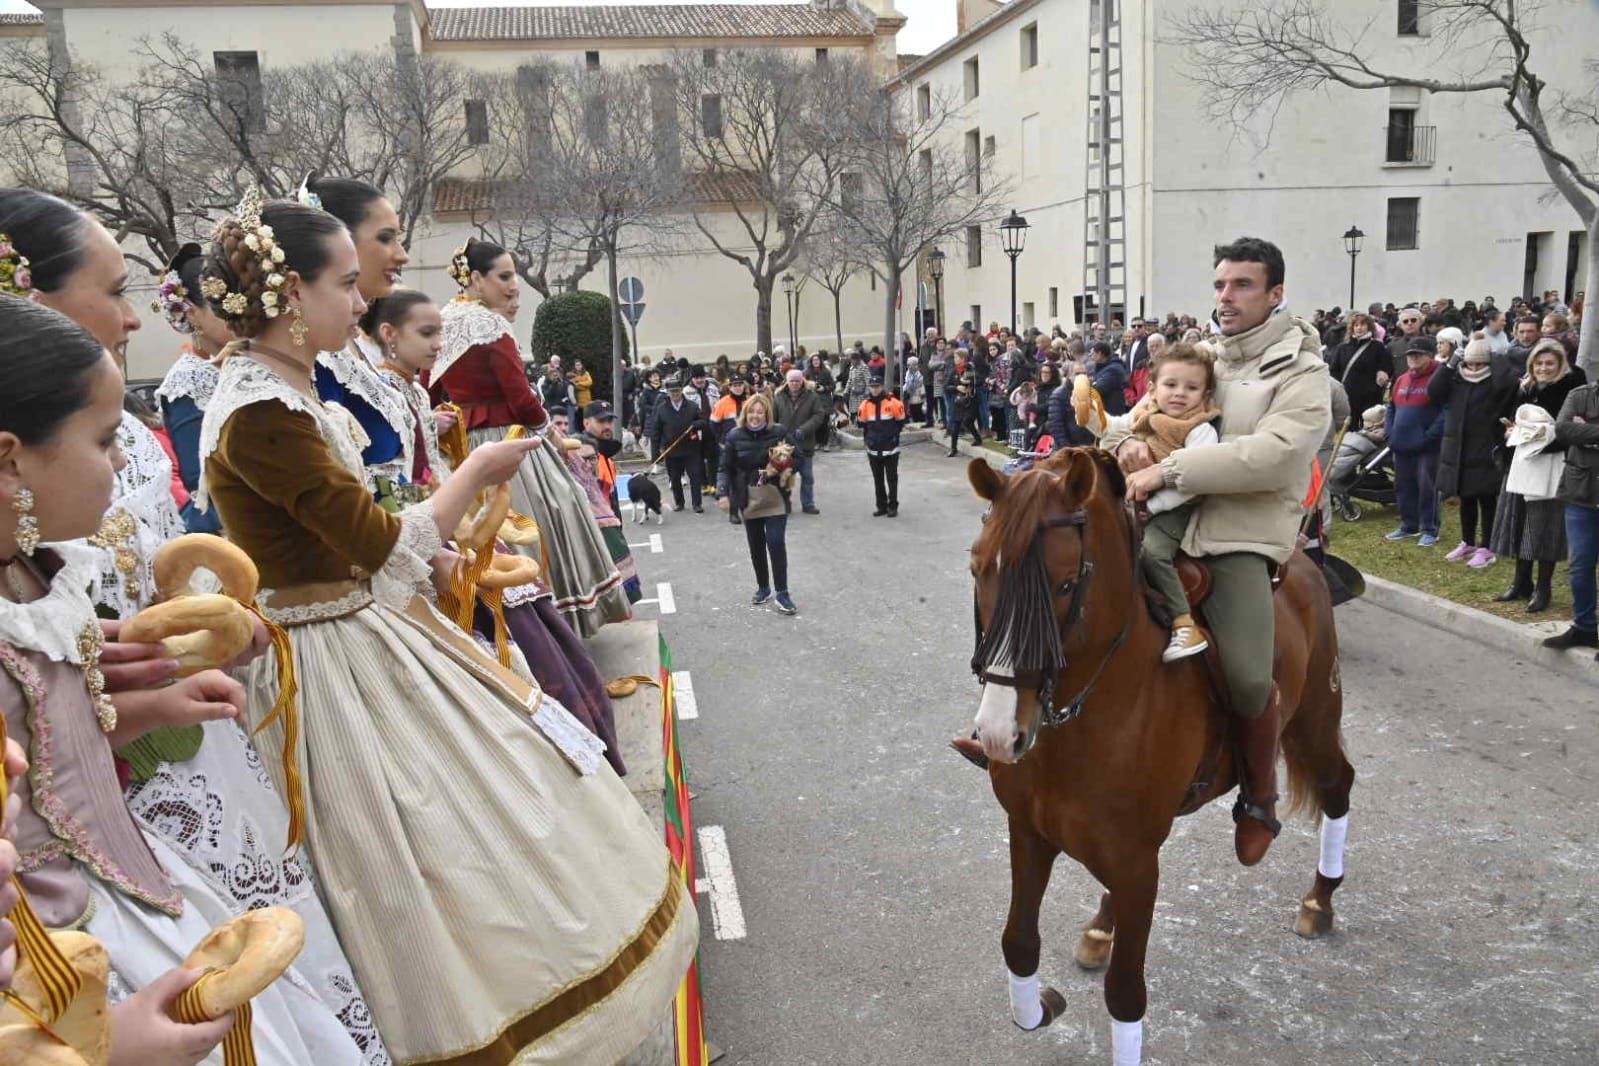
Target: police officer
881 418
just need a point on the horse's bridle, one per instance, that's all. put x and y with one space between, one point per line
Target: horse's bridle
1074 587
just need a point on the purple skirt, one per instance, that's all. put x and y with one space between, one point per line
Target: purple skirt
561 665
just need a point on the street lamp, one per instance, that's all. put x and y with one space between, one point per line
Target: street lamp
1352 239
1013 238
789 300
935 267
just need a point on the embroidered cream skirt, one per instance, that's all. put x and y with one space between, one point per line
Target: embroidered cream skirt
586 583
498 906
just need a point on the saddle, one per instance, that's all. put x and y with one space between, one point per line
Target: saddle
1195 575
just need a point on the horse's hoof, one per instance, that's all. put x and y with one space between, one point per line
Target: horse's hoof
1315 921
1054 1005
1093 948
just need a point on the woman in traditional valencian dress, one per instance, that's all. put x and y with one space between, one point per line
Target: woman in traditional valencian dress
409 329
501 894
481 371
87 864
190 381
195 783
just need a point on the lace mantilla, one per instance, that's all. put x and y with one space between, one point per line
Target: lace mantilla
51 624
243 382
192 377
351 369
420 414
467 324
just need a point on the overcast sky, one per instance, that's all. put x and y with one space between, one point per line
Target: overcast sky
932 22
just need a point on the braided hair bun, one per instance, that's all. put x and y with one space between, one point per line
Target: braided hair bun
252 255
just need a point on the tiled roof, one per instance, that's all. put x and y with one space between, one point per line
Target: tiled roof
461 195
21 18
643 21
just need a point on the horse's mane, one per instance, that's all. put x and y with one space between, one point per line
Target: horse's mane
1013 525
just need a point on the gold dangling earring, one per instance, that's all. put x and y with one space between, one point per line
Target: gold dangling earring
27 525
297 329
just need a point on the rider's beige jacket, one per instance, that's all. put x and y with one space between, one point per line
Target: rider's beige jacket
1271 386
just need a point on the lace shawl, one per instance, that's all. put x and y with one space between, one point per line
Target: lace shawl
192 377
351 369
142 517
467 324
50 625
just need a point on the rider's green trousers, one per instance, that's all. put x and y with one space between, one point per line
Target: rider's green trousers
1239 611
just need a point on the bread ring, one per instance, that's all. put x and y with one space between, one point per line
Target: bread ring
1088 407
199 631
477 529
519 530
508 571
244 956
86 1025
178 559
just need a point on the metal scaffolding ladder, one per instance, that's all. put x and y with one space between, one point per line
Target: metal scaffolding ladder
1105 205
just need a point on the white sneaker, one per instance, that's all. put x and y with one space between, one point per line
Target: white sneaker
1185 641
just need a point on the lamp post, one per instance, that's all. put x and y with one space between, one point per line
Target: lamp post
788 299
1013 238
935 267
1352 239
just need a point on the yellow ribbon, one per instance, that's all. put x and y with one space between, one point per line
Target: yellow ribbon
457 601
454 443
238 1047
286 705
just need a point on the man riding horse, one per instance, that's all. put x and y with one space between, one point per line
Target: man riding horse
1271 387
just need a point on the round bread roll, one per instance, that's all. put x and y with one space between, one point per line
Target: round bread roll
508 571
200 632
86 1025
477 530
178 559
621 688
244 956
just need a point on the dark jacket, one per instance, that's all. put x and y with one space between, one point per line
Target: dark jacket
805 415
1062 421
1472 432
645 405
1110 381
881 418
556 393
1356 363
1516 357
743 458
668 425
1398 341
1414 424
1580 483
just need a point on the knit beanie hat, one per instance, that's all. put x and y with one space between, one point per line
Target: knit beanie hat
1479 350
1372 417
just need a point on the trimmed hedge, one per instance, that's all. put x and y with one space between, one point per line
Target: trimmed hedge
577 325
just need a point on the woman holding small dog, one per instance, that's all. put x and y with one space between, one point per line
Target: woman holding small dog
750 486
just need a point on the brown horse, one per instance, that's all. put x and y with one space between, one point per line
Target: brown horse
1095 746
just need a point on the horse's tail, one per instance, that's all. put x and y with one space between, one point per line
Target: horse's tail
1303 792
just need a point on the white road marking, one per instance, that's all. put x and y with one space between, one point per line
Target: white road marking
663 592
727 915
683 690
653 544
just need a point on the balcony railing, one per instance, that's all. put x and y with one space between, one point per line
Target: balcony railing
1411 145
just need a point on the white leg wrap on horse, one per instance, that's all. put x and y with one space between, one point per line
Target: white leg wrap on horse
1026 1006
1333 833
1126 1042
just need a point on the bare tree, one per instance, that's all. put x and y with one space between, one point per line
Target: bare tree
611 191
916 187
766 137
832 257
1250 61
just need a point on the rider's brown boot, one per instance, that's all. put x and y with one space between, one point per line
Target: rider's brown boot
1256 810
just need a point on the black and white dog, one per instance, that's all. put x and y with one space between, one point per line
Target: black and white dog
646 497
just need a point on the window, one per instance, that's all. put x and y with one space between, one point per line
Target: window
1030 46
591 60
974 159
1408 143
977 314
239 75
1054 302
988 145
849 191
821 56
711 115
974 251
1404 223
925 158
1409 18
663 123
533 96
924 102
1032 149
477 122
970 73
1027 316
708 57
594 118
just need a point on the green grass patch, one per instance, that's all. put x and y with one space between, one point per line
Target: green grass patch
1402 561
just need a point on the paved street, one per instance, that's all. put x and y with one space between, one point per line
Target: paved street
870 862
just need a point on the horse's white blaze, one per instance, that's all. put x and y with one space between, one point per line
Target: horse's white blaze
1126 1042
996 718
1334 831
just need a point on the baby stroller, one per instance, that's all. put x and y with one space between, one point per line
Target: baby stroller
1371 481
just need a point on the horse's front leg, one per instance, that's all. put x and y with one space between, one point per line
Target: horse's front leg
1132 894
1031 860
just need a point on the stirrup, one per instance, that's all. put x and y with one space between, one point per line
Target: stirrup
1245 809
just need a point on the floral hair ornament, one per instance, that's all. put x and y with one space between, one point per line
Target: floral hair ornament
258 239
173 299
460 272
304 196
15 277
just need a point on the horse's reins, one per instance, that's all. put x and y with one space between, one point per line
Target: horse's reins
1074 587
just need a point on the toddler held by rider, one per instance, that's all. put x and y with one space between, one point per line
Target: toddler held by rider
1178 412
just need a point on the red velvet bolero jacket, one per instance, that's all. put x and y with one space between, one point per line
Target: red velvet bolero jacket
488 384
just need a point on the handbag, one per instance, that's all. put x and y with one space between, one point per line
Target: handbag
765 501
1534 473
